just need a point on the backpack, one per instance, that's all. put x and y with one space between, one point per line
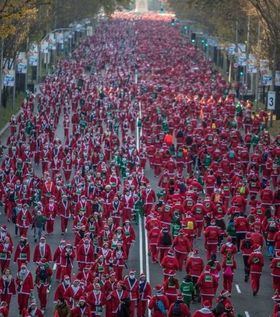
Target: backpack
176 310
166 239
160 306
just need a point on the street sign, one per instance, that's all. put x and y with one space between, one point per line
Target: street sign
271 99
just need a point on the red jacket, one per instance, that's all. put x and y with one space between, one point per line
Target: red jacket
185 312
11 289
194 266
25 284
208 284
81 312
38 256
256 262
275 267
203 312
132 287
153 305
85 255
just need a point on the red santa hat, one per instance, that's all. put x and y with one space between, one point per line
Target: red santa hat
276 298
171 252
180 297
142 275
159 288
207 304
82 299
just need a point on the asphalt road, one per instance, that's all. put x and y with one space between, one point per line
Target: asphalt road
244 302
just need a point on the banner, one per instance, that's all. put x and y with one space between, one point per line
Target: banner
33 55
22 63
252 64
267 79
9 77
277 78
264 66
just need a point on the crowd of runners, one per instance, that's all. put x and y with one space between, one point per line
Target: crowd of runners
148 130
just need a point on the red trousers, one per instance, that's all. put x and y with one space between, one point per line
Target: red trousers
23 231
50 224
6 298
142 308
255 281
154 252
4 264
207 297
22 301
132 308
42 294
58 275
181 258
227 282
63 224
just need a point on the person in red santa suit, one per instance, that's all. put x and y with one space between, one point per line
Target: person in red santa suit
182 247
228 247
50 211
83 205
57 258
64 212
149 197
86 275
275 272
82 309
25 286
241 227
205 311
43 281
85 254
7 287
228 265
129 235
183 308
211 234
67 259
42 251
276 308
61 288
194 267
153 235
96 300
132 286
164 243
256 263
22 253
6 249
119 260
145 292
207 284
128 202
159 303
73 293
171 287
4 311
119 295
198 212
67 167
166 215
48 189
23 220
169 263
109 286
32 310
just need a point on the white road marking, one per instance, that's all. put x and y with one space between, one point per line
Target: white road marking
247 314
141 245
238 288
54 267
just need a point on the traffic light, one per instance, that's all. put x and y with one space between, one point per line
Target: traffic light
241 73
